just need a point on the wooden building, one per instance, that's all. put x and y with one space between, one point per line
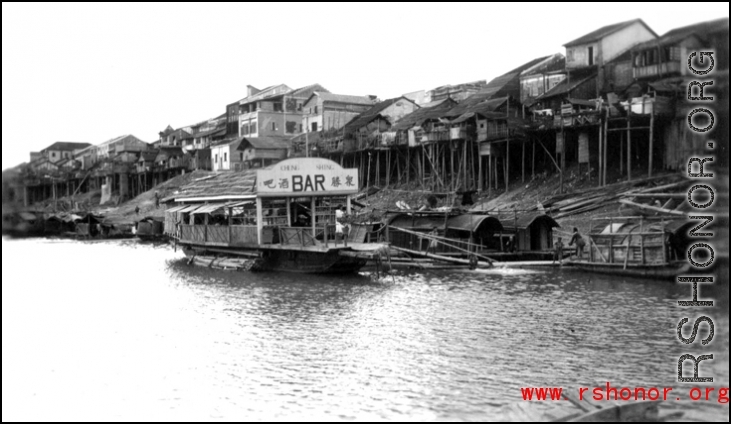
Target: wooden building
326 111
259 152
367 129
541 77
225 155
591 53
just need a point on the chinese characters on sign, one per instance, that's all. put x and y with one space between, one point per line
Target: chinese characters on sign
304 176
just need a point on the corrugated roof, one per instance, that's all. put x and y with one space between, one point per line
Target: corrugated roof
265 142
230 184
605 31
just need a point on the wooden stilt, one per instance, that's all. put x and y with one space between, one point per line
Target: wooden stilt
408 165
601 157
522 162
650 154
629 152
479 166
533 164
506 165
606 143
464 160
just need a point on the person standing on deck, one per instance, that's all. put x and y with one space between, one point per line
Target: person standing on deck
576 238
339 227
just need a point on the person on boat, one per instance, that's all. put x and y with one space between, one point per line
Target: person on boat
339 227
576 238
558 252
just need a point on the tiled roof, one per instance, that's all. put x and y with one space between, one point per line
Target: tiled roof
564 87
423 114
605 31
230 184
366 117
66 146
265 142
341 98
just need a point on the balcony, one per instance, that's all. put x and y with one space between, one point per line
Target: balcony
656 70
442 134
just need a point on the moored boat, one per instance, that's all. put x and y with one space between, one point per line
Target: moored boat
644 247
283 218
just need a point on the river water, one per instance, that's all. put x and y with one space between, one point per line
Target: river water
127 331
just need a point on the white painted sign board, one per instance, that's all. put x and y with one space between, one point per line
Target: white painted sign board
305 177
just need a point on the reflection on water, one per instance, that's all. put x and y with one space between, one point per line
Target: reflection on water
128 331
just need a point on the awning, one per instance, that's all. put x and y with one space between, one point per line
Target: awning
189 209
240 204
208 209
177 209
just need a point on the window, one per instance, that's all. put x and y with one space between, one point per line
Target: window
316 112
53 155
278 107
299 107
591 55
225 157
314 127
253 129
241 157
274 126
570 55
216 160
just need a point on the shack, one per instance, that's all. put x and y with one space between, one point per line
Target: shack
465 232
527 237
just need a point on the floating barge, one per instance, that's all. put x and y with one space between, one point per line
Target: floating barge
645 247
282 218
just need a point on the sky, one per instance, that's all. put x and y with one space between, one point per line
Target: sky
91 72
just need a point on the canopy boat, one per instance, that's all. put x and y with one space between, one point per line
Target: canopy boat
283 218
646 247
150 229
